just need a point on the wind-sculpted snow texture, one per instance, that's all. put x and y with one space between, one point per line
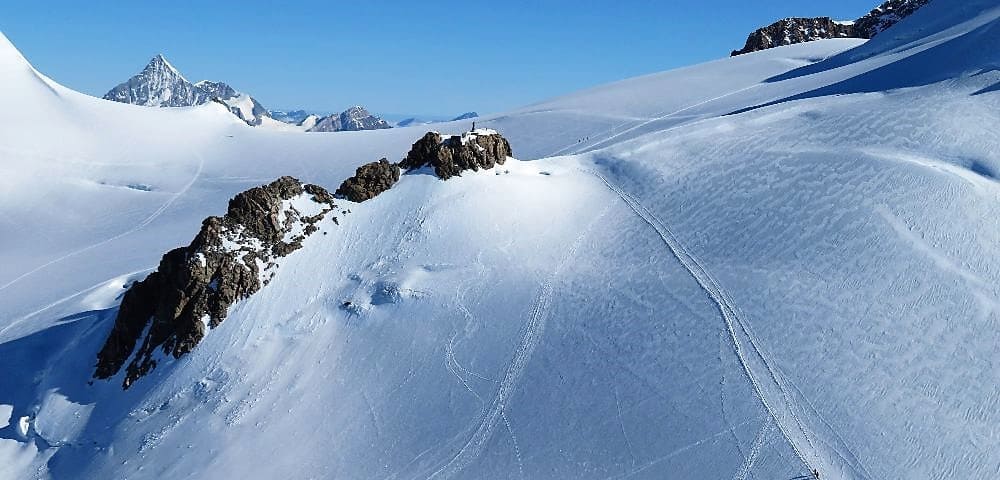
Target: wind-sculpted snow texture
669 290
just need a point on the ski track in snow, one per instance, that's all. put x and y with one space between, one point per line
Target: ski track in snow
730 316
156 213
533 331
657 117
454 366
763 436
673 454
64 300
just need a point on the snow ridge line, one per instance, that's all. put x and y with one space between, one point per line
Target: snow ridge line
532 335
729 315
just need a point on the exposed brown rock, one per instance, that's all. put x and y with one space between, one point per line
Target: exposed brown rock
798 30
790 31
369 180
885 16
232 257
450 156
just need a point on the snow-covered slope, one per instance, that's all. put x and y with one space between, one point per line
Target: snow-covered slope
811 284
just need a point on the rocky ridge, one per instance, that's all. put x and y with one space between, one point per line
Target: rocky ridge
793 30
232 257
169 312
369 180
480 148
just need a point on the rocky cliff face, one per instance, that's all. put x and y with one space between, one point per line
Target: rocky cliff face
482 148
798 30
885 16
352 119
233 256
369 180
790 31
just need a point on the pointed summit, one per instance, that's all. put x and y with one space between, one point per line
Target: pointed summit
159 65
158 85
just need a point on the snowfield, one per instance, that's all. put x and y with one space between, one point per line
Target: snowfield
754 268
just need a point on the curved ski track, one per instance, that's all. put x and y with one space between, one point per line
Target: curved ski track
733 321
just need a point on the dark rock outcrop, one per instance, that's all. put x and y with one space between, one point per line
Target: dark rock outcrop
450 156
369 180
885 16
790 31
232 257
799 30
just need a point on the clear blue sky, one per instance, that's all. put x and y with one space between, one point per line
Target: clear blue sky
433 57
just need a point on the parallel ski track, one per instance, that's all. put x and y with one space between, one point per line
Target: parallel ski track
530 339
733 322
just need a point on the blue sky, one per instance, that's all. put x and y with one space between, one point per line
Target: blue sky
435 58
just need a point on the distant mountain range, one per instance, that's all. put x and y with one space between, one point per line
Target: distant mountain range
160 84
412 121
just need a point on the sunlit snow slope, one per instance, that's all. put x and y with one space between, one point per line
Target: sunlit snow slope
759 267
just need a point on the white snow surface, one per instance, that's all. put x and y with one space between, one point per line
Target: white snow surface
657 289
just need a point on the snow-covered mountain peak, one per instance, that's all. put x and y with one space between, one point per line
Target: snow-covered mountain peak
159 65
353 119
160 84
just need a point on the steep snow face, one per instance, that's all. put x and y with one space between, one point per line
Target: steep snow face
808 285
309 122
246 108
